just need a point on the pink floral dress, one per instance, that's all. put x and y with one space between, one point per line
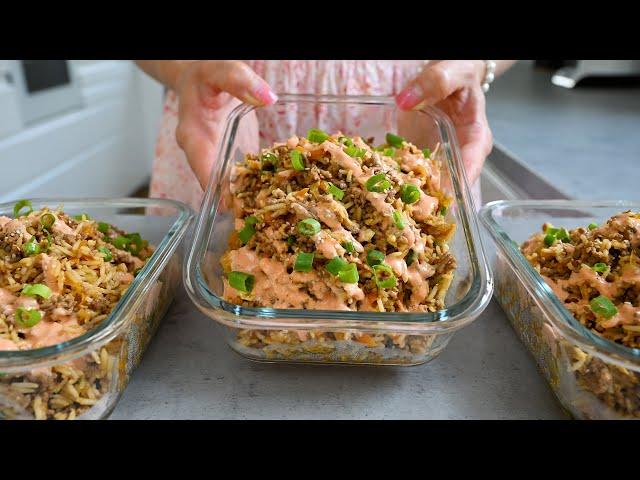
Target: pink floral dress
172 176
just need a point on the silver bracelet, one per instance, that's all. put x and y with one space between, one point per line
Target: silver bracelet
489 74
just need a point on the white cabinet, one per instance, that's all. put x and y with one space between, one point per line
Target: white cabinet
104 148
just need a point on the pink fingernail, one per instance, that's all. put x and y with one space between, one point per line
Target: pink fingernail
409 97
264 94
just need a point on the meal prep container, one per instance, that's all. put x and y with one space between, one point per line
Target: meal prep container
106 355
423 335
592 377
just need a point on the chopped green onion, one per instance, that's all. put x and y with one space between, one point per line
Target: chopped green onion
384 276
246 233
378 183
316 136
107 253
48 242
549 239
374 257
304 262
593 226
600 267
335 191
354 151
335 265
82 217
409 193
348 246
103 227
346 141
410 258
120 242
47 220
601 305
563 235
31 247
349 274
27 318
443 210
241 281
308 226
426 152
268 158
394 140
251 220
398 219
17 208
37 289
389 152
297 160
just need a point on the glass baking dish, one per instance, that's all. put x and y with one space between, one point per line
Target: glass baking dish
592 377
51 382
322 336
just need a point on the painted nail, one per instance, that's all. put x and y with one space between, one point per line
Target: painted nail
409 97
264 95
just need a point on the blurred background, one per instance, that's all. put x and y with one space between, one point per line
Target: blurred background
88 127
76 128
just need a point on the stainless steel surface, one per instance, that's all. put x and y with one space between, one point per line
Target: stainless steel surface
505 177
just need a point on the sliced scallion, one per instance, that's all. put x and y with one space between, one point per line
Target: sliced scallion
349 274
241 281
335 265
398 219
316 136
375 257
384 277
348 246
394 140
601 305
20 206
377 183
47 220
32 247
308 226
297 160
27 318
304 262
335 191
409 193
107 254
37 289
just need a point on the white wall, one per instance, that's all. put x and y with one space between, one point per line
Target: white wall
104 149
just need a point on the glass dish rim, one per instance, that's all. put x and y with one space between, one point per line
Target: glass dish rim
15 360
559 316
451 318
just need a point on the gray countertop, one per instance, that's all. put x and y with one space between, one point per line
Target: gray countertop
574 138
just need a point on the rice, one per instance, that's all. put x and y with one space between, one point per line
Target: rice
359 199
595 271
58 280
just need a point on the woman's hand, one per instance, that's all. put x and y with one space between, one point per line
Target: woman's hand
208 91
454 86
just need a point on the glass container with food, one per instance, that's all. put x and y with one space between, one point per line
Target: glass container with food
84 284
352 239
568 278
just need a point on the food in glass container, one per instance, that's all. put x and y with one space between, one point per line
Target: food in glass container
330 222
595 272
60 277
